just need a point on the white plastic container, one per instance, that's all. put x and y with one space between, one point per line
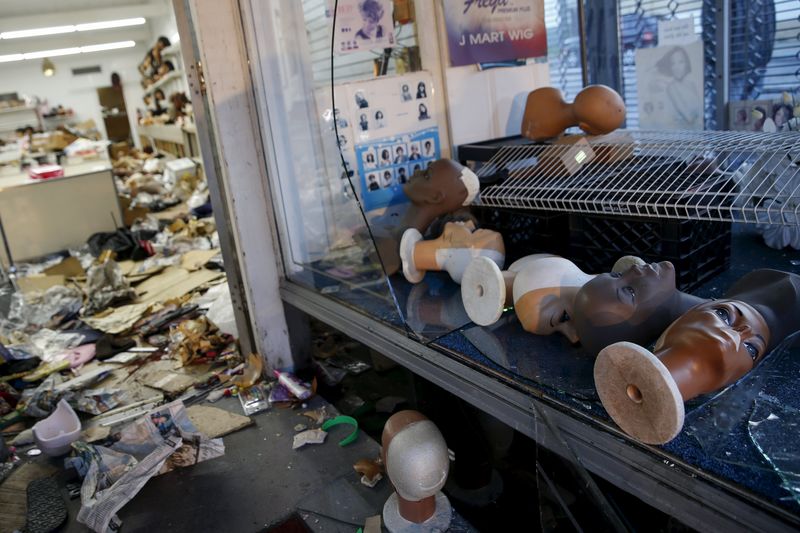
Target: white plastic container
55 434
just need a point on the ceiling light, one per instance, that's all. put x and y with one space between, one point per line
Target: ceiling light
107 46
68 51
48 68
121 23
11 57
52 53
89 26
37 32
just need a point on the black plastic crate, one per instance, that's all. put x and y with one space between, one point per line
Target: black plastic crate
526 232
698 249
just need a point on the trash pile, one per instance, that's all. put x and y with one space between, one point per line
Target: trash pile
106 349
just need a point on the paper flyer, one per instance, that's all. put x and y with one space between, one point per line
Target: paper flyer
483 31
670 87
363 25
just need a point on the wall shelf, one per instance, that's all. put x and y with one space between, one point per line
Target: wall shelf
175 74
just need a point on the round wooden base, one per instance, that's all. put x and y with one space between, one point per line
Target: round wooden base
410 238
483 291
639 393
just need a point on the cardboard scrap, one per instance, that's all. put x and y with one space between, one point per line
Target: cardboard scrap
39 283
173 282
195 259
373 524
70 267
118 319
214 422
162 376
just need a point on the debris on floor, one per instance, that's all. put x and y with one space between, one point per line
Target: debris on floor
309 436
371 471
215 422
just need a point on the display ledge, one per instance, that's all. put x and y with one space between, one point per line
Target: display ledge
165 132
694 497
163 81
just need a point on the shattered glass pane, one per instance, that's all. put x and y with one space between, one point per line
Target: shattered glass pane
773 429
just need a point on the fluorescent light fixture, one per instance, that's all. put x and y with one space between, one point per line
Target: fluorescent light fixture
52 53
89 26
121 23
19 34
107 46
68 51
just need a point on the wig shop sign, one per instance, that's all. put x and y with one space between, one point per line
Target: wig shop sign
484 31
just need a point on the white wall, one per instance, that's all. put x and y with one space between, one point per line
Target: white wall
78 92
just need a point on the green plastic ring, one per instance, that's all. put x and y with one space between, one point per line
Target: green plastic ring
342 419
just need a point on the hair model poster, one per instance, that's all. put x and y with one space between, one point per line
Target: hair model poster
670 86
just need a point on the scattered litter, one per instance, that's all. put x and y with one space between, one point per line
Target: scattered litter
318 416
309 436
339 420
215 395
57 432
351 404
299 390
254 400
105 286
158 442
300 427
119 319
252 371
373 524
23 438
280 394
371 471
214 422
33 452
350 364
95 434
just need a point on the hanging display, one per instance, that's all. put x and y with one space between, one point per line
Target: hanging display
482 31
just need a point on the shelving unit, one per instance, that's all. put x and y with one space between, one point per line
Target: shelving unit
18 117
160 84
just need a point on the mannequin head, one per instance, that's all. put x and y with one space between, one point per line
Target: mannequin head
636 305
544 296
720 341
443 187
717 342
597 110
451 251
416 459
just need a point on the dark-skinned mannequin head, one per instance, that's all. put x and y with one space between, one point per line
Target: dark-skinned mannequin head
709 347
636 306
442 188
597 110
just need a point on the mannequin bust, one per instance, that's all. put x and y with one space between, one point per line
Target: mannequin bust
712 345
452 251
417 463
597 110
636 305
541 287
442 188
434 307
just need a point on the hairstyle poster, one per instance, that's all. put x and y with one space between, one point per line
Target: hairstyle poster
395 133
484 31
363 25
386 165
670 86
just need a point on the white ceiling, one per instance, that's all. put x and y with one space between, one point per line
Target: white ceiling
32 14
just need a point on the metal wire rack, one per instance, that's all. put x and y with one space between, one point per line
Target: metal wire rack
703 175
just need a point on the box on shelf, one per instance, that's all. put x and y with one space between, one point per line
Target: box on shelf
45 172
51 141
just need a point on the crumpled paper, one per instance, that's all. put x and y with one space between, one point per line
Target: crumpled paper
105 285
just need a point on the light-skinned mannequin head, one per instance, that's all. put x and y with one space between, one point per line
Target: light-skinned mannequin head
635 305
597 110
452 251
709 347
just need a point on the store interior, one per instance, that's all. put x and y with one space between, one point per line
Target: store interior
528 264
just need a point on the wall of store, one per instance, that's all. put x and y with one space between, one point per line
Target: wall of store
79 92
